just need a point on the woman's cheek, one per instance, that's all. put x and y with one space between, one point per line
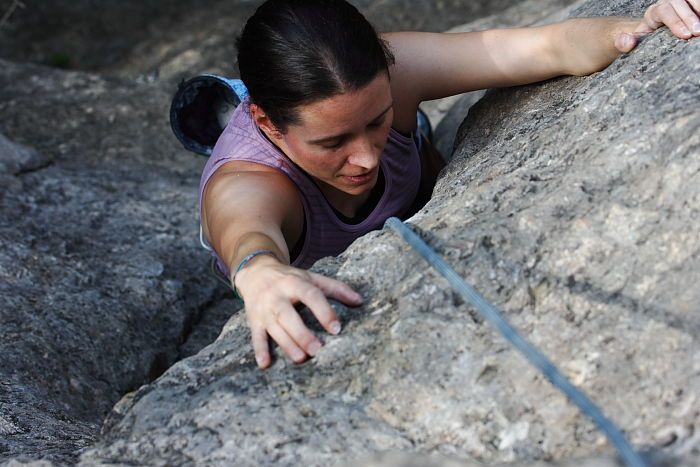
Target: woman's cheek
384 136
335 163
328 162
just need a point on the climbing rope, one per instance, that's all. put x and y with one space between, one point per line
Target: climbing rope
531 353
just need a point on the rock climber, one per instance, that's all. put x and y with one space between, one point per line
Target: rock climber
325 147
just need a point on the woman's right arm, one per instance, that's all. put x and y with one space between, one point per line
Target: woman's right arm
245 211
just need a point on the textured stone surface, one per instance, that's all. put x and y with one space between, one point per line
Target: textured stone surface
174 39
77 34
405 459
573 205
101 274
103 284
16 159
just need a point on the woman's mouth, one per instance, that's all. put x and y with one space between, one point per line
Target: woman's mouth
360 179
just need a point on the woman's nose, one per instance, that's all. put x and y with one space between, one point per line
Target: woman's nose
364 154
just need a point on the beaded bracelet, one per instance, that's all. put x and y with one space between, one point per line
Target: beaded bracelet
242 264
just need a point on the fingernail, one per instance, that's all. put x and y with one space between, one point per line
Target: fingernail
358 298
297 355
696 28
685 31
259 360
335 327
314 347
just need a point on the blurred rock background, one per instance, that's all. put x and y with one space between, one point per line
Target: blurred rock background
572 204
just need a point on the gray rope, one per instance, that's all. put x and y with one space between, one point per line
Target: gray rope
534 356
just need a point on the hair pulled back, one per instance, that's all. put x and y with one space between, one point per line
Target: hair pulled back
296 52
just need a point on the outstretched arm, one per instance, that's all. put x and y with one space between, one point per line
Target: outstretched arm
244 211
434 65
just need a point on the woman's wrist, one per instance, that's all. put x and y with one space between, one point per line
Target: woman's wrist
586 45
247 265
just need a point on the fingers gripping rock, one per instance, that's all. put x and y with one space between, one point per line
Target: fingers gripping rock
342 312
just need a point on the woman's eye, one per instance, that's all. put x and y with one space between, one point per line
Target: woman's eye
376 124
333 146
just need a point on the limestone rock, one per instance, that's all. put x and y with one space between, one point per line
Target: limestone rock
103 282
16 159
101 274
572 205
175 39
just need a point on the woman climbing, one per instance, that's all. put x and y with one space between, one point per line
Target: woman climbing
325 148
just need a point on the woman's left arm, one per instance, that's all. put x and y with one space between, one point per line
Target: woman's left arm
433 65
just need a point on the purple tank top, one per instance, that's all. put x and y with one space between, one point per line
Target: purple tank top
326 234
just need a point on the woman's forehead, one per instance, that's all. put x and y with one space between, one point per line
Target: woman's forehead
347 110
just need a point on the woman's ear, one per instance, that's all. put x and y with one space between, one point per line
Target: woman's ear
264 123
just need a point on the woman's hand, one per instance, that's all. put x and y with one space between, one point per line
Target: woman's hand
682 17
270 290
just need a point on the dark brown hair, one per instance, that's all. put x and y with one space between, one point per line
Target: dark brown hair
296 52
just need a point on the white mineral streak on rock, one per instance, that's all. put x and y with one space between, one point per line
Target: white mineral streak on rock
510 436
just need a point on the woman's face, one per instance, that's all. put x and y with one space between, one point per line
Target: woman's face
340 139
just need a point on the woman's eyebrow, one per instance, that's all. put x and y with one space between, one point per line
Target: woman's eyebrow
326 139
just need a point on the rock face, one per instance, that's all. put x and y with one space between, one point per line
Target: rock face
75 34
572 205
101 273
102 279
175 39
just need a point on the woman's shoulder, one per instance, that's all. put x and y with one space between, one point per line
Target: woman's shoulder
241 166
254 187
237 177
